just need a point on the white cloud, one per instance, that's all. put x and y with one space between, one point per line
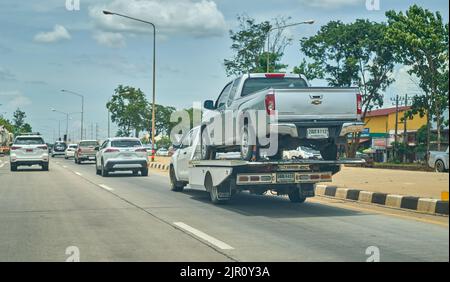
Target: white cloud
14 99
110 39
332 4
58 33
188 17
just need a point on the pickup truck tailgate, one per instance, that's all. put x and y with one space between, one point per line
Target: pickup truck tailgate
316 103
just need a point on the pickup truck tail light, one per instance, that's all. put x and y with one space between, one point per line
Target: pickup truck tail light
358 104
141 150
13 148
275 75
270 103
110 150
43 147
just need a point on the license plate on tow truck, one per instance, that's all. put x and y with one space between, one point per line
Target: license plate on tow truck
317 133
285 177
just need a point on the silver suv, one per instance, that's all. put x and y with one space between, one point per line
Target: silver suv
121 154
28 150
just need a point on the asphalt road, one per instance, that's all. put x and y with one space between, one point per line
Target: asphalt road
133 218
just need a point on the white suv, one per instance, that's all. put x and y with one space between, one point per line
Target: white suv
28 150
121 154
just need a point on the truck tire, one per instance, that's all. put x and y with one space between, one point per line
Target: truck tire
214 191
105 172
329 152
45 167
439 166
295 196
175 185
13 167
246 148
144 171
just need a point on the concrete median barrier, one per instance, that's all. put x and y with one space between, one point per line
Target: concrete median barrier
423 205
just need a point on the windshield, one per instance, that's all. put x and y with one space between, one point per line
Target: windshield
88 144
126 143
29 141
73 146
253 85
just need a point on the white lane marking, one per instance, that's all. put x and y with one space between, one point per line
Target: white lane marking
77 173
203 236
64 166
2 165
106 187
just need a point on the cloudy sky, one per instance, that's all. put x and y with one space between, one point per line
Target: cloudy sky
49 45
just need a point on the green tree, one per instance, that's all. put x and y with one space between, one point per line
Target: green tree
20 126
164 142
162 122
6 124
419 39
249 46
128 110
351 54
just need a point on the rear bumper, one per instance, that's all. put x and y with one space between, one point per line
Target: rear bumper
126 164
55 153
29 162
86 157
336 128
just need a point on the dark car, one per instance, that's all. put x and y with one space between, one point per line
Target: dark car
366 157
59 148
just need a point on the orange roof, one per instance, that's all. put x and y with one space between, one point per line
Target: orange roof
385 112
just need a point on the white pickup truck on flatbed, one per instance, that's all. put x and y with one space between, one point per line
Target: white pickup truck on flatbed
223 178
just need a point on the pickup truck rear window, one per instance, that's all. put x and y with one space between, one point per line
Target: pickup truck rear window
253 85
88 144
29 141
126 143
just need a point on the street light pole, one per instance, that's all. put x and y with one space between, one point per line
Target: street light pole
275 28
154 74
82 107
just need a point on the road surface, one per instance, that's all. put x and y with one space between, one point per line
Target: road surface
133 218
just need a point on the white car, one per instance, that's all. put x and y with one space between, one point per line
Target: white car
121 154
438 160
302 152
162 152
70 151
28 150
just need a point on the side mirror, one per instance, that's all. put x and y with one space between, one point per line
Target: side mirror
209 105
97 148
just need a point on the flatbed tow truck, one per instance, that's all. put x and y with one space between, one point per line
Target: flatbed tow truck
295 178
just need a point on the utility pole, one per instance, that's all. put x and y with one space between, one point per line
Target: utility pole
396 125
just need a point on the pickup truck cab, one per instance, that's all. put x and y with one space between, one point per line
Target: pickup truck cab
298 114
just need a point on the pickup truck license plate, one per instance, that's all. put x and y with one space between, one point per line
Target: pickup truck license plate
285 177
317 133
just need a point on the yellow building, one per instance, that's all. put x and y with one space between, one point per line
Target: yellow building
383 120
380 127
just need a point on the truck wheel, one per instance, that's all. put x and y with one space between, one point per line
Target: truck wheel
295 196
247 136
440 166
329 152
45 167
13 167
214 191
175 185
144 172
105 172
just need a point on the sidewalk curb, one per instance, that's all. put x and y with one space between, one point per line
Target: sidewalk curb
158 166
423 205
